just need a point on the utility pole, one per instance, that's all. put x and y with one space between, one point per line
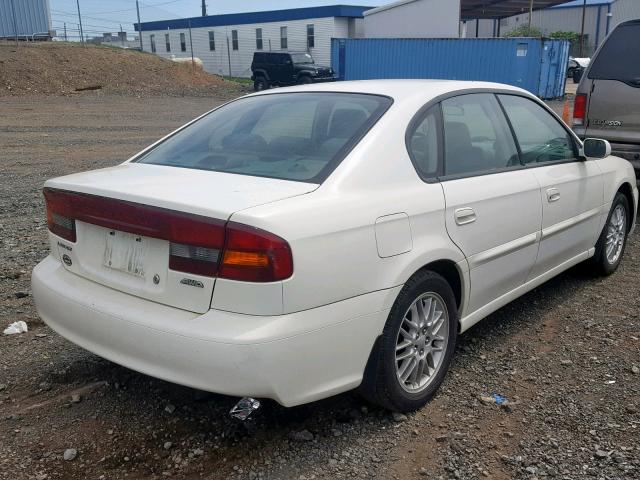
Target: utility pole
65 31
15 22
139 25
229 54
204 8
193 63
80 20
584 12
530 14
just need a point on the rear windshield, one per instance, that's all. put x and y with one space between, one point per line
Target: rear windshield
619 58
290 136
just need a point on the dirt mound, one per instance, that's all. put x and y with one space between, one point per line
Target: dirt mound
67 68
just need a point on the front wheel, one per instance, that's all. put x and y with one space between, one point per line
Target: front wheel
304 80
415 350
613 239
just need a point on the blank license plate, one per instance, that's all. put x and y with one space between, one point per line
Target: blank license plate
125 252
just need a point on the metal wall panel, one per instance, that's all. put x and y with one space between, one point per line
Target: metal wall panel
532 64
237 63
624 10
31 17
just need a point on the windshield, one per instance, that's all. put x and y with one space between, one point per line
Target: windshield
301 58
289 136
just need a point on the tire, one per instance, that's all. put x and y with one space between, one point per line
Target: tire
305 80
577 75
260 83
381 384
616 228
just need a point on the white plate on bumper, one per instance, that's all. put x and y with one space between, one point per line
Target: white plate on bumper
125 252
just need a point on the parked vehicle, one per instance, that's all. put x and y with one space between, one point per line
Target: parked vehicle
277 69
607 103
300 243
576 68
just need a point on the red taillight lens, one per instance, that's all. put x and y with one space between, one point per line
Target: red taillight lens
58 216
254 255
579 109
196 242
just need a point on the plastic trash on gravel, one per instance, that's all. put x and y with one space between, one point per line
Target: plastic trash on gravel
15 328
244 408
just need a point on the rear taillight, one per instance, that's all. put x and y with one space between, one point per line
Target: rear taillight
198 245
579 109
58 217
254 255
197 260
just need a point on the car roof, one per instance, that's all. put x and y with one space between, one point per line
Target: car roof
398 89
280 53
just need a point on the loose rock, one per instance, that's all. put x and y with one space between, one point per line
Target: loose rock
301 436
70 454
399 417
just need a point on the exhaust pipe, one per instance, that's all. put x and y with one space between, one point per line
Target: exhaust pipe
244 408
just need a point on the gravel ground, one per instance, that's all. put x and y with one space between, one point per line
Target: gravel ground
567 357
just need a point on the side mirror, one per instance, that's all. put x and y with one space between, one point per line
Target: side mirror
595 148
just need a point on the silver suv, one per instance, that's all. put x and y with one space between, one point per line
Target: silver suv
607 103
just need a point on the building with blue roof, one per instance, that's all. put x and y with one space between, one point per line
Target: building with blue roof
226 43
601 18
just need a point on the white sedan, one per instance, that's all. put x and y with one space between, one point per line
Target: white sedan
299 243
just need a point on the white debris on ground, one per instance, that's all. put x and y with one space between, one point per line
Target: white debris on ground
16 327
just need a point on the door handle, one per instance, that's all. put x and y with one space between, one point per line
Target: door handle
553 195
465 216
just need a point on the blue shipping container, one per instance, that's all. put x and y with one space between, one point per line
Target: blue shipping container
537 65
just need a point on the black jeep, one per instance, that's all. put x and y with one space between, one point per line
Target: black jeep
291 68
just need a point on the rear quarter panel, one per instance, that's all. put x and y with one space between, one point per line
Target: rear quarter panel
616 172
332 230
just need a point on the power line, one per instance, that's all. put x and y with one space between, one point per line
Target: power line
86 24
68 14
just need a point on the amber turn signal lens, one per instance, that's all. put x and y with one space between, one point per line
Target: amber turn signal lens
246 259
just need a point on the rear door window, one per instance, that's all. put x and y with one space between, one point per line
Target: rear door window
290 136
619 58
541 137
477 136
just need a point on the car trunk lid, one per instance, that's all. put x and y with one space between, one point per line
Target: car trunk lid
613 112
142 229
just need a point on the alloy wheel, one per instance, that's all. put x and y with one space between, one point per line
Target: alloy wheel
421 342
616 234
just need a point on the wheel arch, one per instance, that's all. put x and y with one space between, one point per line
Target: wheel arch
261 73
453 273
627 191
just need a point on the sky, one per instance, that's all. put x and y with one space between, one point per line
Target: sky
100 16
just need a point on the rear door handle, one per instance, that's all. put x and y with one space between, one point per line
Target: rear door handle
465 216
553 195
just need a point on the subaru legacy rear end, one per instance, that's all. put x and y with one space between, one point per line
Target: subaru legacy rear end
175 263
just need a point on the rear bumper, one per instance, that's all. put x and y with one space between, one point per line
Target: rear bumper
293 359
